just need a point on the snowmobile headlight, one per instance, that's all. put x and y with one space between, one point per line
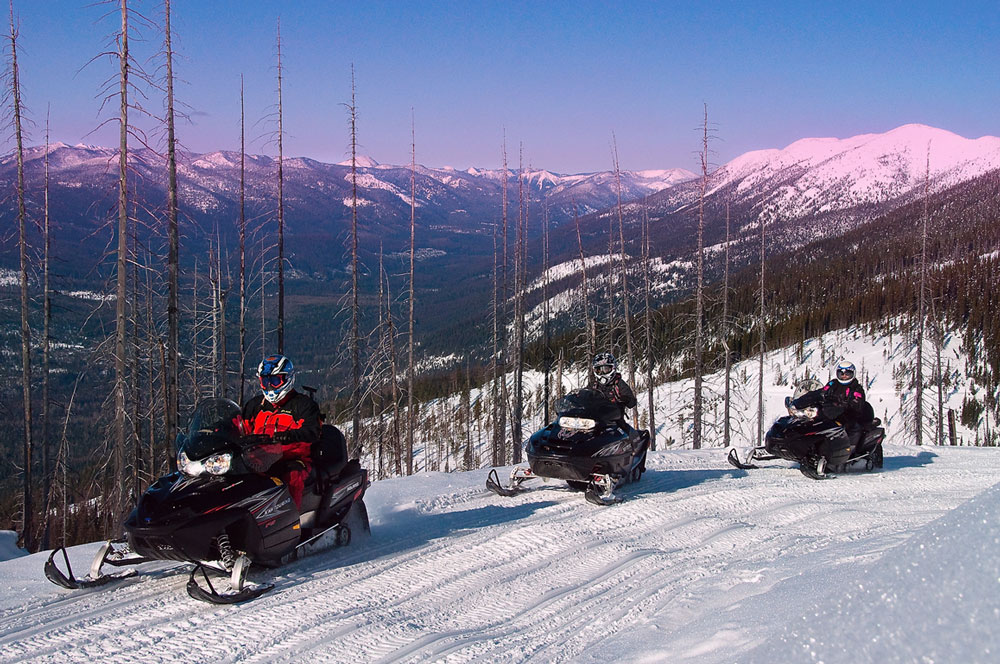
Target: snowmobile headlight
218 464
582 423
187 466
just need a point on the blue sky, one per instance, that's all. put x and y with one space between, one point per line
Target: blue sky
558 77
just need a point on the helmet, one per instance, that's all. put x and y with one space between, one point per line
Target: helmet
604 367
277 375
845 372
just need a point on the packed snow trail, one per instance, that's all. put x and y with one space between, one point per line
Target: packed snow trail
702 562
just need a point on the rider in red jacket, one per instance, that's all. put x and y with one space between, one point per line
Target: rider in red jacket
289 418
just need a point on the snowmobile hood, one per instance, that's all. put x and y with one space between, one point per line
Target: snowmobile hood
177 498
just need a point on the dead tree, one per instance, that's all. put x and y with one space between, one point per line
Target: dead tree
623 264
281 210
546 350
648 320
761 347
724 334
119 434
355 334
243 256
410 416
587 322
503 300
173 257
699 335
497 441
918 394
518 410
46 348
27 509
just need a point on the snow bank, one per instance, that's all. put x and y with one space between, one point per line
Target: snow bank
935 598
8 546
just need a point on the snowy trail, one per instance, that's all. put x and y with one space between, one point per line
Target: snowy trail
453 573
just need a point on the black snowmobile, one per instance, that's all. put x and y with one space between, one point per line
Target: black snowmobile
222 513
816 440
586 446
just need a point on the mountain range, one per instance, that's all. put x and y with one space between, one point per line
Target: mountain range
813 188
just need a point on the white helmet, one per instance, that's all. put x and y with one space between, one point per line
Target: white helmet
845 372
604 367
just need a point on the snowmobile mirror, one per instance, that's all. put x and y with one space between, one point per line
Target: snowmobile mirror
788 402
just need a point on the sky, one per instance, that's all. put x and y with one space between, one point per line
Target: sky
563 80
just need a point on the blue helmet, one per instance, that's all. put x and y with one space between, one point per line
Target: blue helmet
277 376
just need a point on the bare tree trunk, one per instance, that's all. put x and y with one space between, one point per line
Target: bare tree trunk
173 256
243 255
281 213
355 334
397 447
496 445
195 335
119 482
591 340
213 289
699 336
518 414
546 351
939 376
650 358
27 509
760 330
725 343
46 340
410 418
503 307
918 395
630 357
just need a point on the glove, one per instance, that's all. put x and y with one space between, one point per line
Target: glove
259 458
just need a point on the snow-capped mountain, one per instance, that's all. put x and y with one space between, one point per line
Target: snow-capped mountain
210 181
819 175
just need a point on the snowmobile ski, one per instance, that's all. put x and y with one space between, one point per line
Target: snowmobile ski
601 491
758 453
517 477
240 591
114 552
814 468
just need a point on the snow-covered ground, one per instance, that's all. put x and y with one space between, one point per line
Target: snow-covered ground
702 563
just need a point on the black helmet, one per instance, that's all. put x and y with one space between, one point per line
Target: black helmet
604 367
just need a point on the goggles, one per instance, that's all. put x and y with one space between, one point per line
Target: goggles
845 373
273 381
604 370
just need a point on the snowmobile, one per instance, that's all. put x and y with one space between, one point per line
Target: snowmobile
816 440
221 512
586 446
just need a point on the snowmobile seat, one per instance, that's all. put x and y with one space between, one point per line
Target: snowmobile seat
329 454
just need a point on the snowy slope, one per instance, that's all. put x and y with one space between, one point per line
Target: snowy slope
816 175
702 563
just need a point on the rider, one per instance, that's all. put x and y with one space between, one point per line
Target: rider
610 383
290 419
842 399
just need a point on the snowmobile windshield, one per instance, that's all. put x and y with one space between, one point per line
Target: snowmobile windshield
805 386
214 426
588 403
